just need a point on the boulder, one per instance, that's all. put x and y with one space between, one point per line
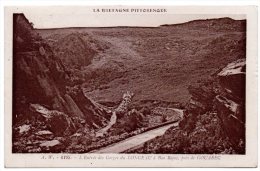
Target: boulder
56 121
232 118
44 132
232 78
24 128
52 146
230 104
201 98
51 143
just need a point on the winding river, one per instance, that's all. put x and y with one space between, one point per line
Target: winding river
135 140
112 121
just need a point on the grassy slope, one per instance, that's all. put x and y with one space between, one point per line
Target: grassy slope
156 63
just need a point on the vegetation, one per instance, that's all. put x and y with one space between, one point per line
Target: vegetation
170 69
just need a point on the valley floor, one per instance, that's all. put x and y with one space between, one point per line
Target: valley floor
135 140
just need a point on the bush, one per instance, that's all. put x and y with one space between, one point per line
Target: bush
146 111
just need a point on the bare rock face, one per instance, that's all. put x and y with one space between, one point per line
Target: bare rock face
57 122
46 108
74 50
232 78
41 78
230 104
228 111
201 97
52 146
227 97
214 119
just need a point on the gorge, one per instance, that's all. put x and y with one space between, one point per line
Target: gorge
169 89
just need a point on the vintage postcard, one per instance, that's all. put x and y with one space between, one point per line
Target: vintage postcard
130 86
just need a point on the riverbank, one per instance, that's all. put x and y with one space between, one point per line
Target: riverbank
136 140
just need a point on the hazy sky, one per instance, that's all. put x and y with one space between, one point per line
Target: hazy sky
46 17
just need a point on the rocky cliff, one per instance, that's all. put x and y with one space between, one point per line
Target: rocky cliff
41 90
230 103
214 118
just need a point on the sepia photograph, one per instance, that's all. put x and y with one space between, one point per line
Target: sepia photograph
153 82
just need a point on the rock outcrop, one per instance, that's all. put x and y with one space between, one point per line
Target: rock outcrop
230 104
41 88
227 97
214 119
41 78
74 50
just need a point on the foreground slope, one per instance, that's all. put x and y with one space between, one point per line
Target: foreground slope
214 119
42 97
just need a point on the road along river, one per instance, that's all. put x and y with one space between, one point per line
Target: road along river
135 140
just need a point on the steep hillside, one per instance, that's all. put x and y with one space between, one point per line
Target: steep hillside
76 50
42 97
214 118
155 63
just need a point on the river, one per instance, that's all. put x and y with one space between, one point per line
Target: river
135 140
112 121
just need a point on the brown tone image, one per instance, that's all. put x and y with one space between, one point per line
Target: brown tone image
176 89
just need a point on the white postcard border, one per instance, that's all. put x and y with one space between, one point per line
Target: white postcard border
145 160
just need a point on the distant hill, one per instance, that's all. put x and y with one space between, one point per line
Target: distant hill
218 24
157 63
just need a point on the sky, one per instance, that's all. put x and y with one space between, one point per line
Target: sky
60 17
